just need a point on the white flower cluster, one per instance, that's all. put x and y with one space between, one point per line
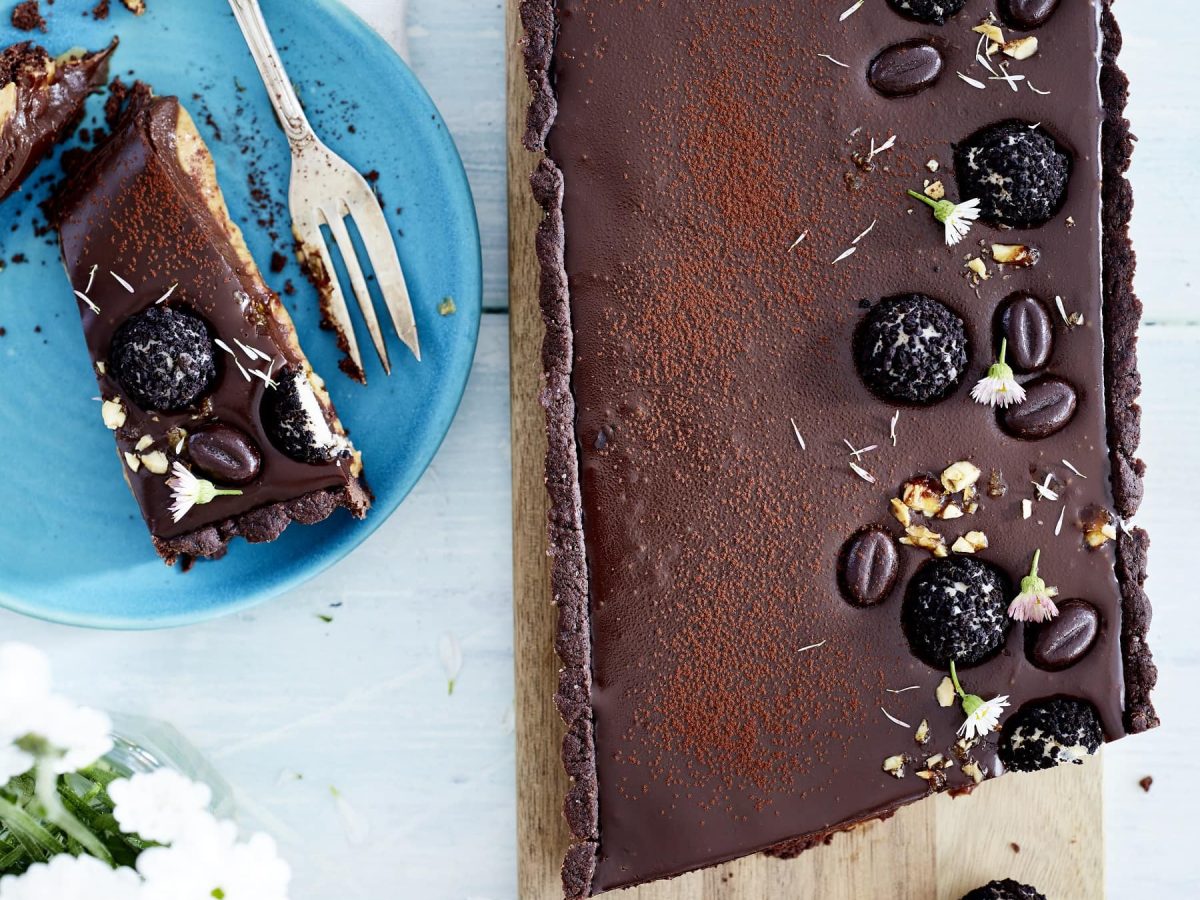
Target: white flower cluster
40 726
200 856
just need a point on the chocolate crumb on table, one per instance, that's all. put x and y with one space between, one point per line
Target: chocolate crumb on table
101 9
1146 783
787 266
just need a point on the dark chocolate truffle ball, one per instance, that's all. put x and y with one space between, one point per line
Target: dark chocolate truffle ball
295 420
1005 890
956 609
1046 733
1017 171
163 358
933 12
911 349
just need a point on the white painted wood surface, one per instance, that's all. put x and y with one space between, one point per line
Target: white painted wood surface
289 706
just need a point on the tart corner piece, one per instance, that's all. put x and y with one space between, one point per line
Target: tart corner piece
223 429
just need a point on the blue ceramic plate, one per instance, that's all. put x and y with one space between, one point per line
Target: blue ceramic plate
73 546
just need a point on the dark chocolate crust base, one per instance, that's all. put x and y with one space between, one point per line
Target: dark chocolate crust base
263 525
1122 316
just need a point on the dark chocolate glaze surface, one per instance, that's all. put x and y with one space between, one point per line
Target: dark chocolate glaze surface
140 216
43 107
696 145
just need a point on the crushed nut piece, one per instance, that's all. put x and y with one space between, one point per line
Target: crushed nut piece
1021 255
1021 48
935 190
945 692
952 511
156 462
978 268
959 476
132 461
102 367
924 495
113 413
997 487
971 542
143 442
935 761
972 769
894 765
990 30
922 735
1099 529
933 165
1026 508
900 511
920 536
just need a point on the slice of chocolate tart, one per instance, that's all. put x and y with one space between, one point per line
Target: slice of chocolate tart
41 97
841 385
222 426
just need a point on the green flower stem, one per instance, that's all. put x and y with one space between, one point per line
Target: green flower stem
1037 554
32 835
58 814
928 201
1003 349
954 679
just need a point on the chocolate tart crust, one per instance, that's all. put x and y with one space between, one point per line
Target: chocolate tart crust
569 576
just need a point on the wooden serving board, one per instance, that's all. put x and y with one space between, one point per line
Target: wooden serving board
1044 829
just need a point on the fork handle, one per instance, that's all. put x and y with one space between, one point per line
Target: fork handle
279 87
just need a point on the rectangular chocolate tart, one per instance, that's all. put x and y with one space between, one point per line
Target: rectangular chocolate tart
794 477
40 98
222 426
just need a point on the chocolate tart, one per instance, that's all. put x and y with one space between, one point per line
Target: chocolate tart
200 370
736 285
41 97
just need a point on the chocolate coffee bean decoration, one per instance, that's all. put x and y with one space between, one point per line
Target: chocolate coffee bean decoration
905 68
1023 321
225 454
1066 639
1049 406
1027 13
868 567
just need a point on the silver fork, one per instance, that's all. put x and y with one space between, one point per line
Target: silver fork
325 189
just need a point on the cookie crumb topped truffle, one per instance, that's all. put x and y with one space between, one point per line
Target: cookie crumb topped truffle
954 611
1006 889
911 349
163 358
296 423
931 12
1047 733
1018 172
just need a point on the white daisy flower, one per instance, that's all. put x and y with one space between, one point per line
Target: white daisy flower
37 725
1035 603
256 871
13 760
194 867
999 387
159 806
956 217
73 736
187 491
67 877
983 716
